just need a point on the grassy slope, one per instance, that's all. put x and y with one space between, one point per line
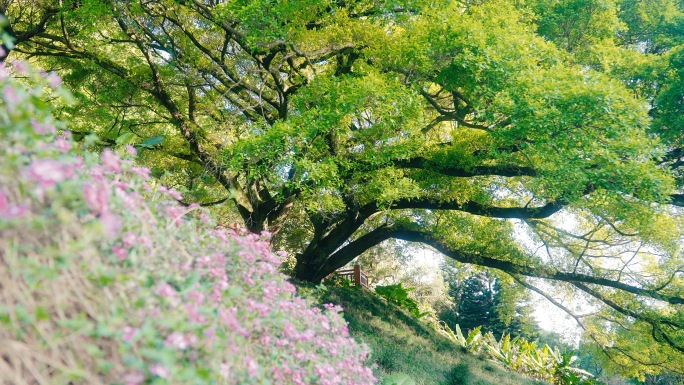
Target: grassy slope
401 343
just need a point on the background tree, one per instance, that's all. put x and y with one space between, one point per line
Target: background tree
481 299
476 304
339 125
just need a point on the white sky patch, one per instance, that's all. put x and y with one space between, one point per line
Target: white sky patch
551 318
428 258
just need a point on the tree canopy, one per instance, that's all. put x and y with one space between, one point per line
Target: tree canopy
463 125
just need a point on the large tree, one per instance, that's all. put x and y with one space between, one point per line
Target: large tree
337 125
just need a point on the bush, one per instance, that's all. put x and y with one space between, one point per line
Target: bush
459 375
398 295
106 279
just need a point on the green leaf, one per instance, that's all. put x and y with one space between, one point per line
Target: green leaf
153 141
124 139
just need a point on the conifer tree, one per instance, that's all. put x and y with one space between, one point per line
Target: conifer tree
481 300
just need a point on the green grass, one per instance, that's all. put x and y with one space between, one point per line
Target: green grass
401 343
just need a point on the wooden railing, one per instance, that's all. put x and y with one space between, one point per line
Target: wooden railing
355 275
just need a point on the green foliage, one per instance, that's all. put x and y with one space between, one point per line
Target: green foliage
107 279
400 343
459 375
336 125
399 295
476 303
489 302
335 280
470 343
522 356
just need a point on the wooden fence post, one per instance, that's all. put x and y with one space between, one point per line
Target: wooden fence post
357 275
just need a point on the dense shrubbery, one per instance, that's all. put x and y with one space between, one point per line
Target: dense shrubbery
105 278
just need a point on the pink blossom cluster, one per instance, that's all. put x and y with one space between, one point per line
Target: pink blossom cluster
9 210
212 300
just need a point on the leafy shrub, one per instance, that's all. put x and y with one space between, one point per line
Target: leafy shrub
520 355
398 295
106 279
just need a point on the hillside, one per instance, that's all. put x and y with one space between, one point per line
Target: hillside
106 279
400 343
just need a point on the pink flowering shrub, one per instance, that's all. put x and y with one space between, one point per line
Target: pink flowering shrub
106 279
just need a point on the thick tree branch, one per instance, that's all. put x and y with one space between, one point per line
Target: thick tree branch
23 36
426 164
354 249
476 208
529 270
384 232
158 91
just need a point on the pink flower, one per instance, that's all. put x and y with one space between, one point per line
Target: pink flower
196 297
171 193
48 172
111 160
143 172
129 239
97 197
11 97
229 318
9 210
194 315
210 334
259 307
177 340
167 291
4 201
20 66
224 370
145 240
282 254
252 366
14 211
62 144
128 333
54 80
159 370
111 224
333 307
177 213
42 128
79 164
97 172
120 252
121 185
131 150
133 378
